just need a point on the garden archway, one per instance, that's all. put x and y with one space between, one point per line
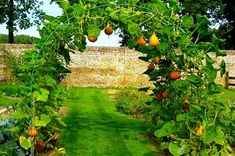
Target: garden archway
180 67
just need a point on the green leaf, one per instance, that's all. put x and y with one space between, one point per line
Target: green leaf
163 46
131 43
210 73
124 17
43 121
167 129
181 117
209 60
196 107
25 143
41 95
222 68
207 46
133 29
209 136
179 84
133 1
194 79
49 81
50 18
220 52
19 114
188 21
93 31
179 149
203 20
168 30
64 4
203 152
14 129
220 136
216 40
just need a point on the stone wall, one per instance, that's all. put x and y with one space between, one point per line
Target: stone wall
109 66
5 50
100 66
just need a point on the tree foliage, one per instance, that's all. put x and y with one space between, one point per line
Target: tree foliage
218 11
20 13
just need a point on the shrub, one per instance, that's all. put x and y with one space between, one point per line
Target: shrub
131 102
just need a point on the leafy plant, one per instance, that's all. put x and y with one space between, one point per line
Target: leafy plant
131 102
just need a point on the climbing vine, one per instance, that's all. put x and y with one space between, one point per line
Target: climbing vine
186 117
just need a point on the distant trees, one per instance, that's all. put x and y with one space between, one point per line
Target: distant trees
218 11
17 13
19 39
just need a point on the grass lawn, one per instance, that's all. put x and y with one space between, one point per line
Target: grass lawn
6 101
228 95
94 128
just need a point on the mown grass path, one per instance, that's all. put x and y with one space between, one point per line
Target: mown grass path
94 128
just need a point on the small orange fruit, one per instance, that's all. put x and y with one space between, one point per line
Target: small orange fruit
159 96
151 67
108 30
40 144
153 40
141 41
199 129
157 60
174 75
92 39
186 100
33 132
164 95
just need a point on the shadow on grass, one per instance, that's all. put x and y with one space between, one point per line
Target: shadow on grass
95 128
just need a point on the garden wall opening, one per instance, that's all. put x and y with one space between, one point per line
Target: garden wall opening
103 66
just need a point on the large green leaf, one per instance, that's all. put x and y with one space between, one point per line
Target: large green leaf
179 149
194 79
222 68
19 114
124 17
210 72
41 95
188 21
49 81
42 121
25 143
63 4
133 29
220 136
93 31
213 134
167 129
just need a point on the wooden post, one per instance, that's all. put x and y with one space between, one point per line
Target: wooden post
226 80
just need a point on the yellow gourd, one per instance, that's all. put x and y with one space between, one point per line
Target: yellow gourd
153 40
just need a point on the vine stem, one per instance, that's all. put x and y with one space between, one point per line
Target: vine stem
148 11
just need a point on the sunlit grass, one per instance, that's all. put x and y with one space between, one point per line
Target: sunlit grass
95 128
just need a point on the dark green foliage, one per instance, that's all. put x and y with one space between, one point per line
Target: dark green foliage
10 89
